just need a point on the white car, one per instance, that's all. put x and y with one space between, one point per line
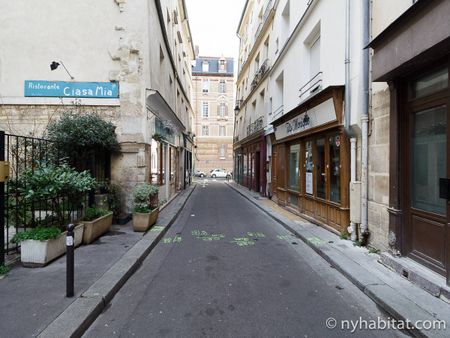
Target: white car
219 173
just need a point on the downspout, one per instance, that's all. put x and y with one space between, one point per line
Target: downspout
365 123
347 109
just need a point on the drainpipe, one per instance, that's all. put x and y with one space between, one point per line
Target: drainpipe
365 123
347 70
353 179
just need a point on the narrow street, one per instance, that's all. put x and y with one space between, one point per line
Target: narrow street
225 269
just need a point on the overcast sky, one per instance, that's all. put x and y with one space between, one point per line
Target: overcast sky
214 24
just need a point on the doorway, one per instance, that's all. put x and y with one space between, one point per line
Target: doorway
427 171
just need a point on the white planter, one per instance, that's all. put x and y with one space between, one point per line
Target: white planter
39 253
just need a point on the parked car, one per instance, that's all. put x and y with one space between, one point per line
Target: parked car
199 173
219 173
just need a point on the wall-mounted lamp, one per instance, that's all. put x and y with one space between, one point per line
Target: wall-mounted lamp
54 65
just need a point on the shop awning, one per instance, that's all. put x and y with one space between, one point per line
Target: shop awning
161 109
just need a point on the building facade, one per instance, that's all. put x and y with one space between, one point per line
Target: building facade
213 101
292 135
416 100
140 52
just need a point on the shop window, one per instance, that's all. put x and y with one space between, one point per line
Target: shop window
335 165
429 84
245 165
294 165
309 166
320 169
172 167
158 163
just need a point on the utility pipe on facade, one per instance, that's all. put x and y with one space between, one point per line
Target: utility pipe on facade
347 108
365 122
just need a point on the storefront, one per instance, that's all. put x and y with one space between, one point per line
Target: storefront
310 160
250 163
419 165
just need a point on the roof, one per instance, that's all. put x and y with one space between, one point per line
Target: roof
213 65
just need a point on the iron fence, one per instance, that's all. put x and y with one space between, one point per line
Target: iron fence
19 212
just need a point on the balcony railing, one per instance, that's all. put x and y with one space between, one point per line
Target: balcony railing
311 87
277 112
264 18
262 70
238 105
255 126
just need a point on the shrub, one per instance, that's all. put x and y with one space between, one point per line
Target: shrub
4 269
142 194
39 234
94 213
76 133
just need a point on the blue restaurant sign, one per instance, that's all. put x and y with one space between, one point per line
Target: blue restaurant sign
105 90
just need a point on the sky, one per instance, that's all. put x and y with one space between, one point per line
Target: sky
214 25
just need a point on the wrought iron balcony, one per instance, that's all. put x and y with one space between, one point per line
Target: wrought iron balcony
255 126
262 70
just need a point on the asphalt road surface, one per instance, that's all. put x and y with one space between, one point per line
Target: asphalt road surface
225 269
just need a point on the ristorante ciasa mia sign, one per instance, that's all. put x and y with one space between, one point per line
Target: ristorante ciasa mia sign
102 90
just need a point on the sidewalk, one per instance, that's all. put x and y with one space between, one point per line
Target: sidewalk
33 301
400 298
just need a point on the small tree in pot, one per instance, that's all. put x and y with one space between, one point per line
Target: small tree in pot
145 213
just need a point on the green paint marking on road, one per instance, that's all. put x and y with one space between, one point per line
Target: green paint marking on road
283 237
243 241
316 241
205 236
157 228
256 234
168 240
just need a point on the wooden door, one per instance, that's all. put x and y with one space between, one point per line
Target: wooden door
274 170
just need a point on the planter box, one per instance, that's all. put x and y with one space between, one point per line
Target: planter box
39 253
142 221
96 228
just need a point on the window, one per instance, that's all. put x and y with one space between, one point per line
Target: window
222 131
205 109
222 66
222 151
205 130
320 168
172 164
222 86
309 168
294 167
222 110
276 45
429 84
205 86
314 58
158 163
205 66
335 168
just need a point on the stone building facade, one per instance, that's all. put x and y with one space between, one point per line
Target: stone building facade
143 47
213 91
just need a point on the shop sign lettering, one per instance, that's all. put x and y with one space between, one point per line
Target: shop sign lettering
105 90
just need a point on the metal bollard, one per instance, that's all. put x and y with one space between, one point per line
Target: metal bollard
70 261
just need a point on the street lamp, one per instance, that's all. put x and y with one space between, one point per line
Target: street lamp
54 65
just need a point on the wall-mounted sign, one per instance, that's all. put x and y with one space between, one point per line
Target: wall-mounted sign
104 90
317 116
309 183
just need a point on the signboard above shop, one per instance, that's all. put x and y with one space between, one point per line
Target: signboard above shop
102 90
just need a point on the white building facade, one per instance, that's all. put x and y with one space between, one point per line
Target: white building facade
141 49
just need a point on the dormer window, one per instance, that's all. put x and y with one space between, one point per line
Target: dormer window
205 66
222 66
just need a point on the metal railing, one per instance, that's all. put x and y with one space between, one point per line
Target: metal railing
278 112
262 70
264 18
255 126
311 87
20 212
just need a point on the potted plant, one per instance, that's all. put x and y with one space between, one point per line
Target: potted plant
145 212
62 188
96 222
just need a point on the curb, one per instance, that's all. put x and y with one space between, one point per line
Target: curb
79 315
377 290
